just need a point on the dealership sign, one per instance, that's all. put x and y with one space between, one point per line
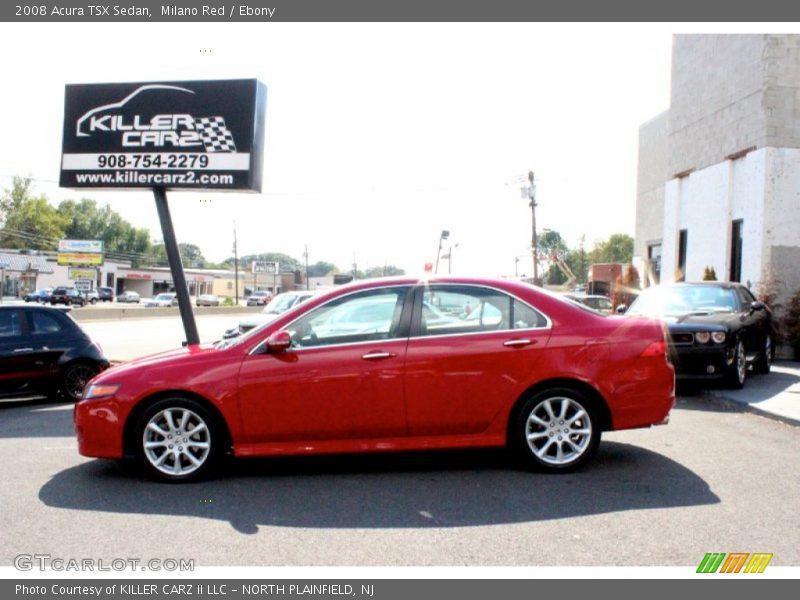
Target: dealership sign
172 135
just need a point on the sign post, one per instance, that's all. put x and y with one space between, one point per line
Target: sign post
176 267
190 135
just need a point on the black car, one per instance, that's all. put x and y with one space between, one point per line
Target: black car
716 330
43 351
105 294
68 296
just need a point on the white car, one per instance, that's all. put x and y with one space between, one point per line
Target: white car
128 297
279 305
91 296
166 299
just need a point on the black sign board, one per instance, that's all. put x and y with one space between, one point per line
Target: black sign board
169 135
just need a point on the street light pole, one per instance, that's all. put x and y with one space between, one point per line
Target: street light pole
442 236
534 242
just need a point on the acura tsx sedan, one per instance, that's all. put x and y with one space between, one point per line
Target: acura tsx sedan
389 365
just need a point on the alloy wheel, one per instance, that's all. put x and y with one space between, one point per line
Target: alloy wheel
558 431
176 441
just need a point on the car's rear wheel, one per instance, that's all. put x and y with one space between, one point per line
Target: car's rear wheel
737 372
178 439
764 363
557 430
74 378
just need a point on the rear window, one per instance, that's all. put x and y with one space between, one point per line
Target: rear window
10 325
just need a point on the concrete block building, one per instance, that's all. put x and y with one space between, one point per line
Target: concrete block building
719 172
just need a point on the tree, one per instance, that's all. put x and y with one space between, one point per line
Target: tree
34 224
384 271
286 262
86 221
320 269
191 255
618 248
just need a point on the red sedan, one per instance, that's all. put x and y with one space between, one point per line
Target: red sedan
386 365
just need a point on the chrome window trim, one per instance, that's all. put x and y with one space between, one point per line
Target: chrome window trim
259 348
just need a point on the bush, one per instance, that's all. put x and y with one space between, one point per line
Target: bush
709 274
228 301
790 324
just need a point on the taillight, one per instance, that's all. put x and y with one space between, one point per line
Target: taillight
656 349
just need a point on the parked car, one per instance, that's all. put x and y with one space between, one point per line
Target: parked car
277 306
259 298
128 296
163 300
42 296
106 294
546 379
68 296
207 300
716 330
43 351
91 296
599 303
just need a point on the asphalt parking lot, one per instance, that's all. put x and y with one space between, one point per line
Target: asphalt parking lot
714 479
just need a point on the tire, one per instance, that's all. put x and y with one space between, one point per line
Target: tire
556 431
94 300
737 372
74 378
764 363
191 456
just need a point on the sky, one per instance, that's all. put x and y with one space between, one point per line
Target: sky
378 136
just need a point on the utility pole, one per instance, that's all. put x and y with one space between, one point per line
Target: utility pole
534 243
305 255
236 264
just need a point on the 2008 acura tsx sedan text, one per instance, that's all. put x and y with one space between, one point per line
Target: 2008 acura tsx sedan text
387 365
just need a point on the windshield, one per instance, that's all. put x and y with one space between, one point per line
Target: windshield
675 301
164 297
280 303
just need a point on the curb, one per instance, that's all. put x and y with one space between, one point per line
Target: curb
745 407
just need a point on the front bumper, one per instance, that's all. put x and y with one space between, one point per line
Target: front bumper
99 427
701 362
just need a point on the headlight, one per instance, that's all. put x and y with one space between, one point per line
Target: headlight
718 337
99 390
702 337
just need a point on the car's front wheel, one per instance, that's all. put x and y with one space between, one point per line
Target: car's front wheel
178 439
74 378
764 363
557 430
737 371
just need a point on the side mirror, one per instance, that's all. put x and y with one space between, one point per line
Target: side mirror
621 309
757 305
278 342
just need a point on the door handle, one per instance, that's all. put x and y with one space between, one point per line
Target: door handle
23 350
378 355
519 342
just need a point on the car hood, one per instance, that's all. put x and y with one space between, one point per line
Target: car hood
710 321
162 359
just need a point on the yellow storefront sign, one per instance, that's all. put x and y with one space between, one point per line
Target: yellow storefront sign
79 258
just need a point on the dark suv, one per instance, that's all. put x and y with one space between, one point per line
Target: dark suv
68 296
43 351
105 294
